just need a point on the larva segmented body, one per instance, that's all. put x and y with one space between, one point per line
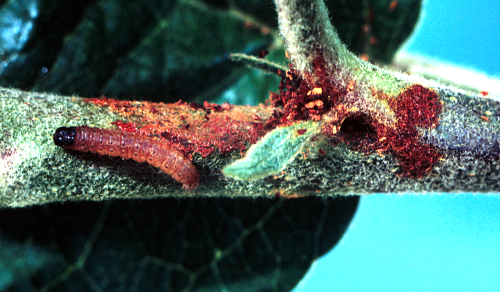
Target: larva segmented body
130 146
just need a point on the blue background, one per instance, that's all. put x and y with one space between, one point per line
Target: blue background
444 242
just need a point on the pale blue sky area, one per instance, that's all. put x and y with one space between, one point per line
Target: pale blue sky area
462 32
428 242
415 243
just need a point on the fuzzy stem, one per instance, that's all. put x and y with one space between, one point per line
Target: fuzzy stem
308 32
309 35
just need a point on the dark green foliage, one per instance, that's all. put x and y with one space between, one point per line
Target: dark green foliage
361 23
32 37
391 27
169 244
155 50
165 50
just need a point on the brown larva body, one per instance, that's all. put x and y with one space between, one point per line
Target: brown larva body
130 146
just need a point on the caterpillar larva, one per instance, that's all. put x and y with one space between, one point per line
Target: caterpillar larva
130 146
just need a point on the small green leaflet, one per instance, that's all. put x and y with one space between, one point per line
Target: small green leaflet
273 152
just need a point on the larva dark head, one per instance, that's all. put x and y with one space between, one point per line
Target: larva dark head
65 137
